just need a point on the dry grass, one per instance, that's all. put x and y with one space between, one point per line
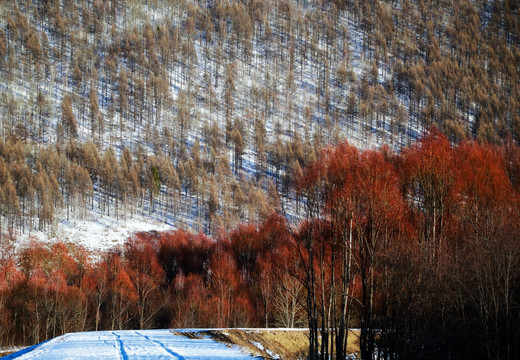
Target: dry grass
267 343
5 352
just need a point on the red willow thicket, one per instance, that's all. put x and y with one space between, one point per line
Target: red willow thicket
170 279
420 250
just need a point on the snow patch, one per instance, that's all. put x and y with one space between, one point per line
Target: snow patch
96 233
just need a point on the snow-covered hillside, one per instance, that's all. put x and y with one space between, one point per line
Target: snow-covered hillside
96 232
219 104
221 108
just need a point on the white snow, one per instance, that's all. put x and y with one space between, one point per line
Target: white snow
129 344
272 354
96 232
259 72
260 347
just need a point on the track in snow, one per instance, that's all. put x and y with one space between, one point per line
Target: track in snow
129 345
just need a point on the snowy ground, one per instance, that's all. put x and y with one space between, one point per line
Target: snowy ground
129 344
96 232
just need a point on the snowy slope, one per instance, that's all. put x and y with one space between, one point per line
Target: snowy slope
129 344
302 106
264 70
96 232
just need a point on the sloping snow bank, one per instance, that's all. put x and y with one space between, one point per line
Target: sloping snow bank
95 232
128 345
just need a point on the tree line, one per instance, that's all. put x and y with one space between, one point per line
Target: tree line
418 249
41 185
173 279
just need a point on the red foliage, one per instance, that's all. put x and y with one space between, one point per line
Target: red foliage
381 228
183 251
189 306
428 167
10 276
482 175
146 275
223 286
488 205
273 233
428 175
511 154
245 248
54 257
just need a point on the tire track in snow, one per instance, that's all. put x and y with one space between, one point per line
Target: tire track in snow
124 355
160 344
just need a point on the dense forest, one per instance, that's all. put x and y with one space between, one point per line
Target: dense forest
328 164
418 249
197 112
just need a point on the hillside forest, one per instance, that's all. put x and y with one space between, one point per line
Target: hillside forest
418 249
196 113
328 164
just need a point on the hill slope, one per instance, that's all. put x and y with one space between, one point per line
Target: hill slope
196 113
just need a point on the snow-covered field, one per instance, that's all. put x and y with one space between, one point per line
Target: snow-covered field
96 232
130 344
